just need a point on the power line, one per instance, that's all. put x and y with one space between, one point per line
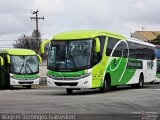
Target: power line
4 40
15 39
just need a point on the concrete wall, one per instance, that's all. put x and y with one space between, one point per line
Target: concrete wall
43 72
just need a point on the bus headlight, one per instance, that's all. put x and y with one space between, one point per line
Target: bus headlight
85 75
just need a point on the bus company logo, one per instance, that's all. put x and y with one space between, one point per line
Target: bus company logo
149 116
65 78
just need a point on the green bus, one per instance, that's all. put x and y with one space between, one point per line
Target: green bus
19 67
98 59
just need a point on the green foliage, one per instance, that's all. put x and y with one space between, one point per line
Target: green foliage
156 41
29 42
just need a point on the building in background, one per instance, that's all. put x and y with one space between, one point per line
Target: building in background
146 36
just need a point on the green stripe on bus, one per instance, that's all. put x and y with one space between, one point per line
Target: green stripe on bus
67 74
25 76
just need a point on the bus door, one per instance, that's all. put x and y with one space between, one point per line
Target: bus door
5 72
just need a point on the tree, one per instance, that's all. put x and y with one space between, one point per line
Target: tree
29 42
37 39
156 41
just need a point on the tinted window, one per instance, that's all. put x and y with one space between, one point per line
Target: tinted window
119 46
111 43
102 42
140 51
121 49
137 51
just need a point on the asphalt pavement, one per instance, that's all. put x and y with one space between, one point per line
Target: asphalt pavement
124 100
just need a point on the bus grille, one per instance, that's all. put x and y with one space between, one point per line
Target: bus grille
66 84
26 82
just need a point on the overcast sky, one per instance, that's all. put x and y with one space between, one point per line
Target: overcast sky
121 16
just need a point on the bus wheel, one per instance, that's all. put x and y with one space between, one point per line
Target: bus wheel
69 91
106 85
113 87
141 82
28 86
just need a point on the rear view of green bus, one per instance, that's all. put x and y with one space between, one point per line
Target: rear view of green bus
98 59
19 67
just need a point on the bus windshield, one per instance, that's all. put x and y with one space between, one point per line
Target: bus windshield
24 64
157 52
158 66
70 54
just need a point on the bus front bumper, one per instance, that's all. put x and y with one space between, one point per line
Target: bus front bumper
85 82
24 82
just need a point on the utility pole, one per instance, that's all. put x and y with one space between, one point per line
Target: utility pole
36 18
143 28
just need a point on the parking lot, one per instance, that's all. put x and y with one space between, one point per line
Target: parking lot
124 100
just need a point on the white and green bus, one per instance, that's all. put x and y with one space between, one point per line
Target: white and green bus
157 53
98 59
19 67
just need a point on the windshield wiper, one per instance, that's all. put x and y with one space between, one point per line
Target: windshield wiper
28 67
21 68
25 64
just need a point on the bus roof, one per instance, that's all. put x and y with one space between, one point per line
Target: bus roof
18 51
140 42
82 34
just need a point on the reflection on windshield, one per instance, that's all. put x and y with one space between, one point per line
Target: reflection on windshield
24 64
157 52
66 55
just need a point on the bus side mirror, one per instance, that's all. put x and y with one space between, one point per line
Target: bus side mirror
8 59
2 61
43 45
98 46
40 58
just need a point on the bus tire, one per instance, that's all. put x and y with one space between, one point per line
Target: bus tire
140 83
113 87
106 85
69 91
28 86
